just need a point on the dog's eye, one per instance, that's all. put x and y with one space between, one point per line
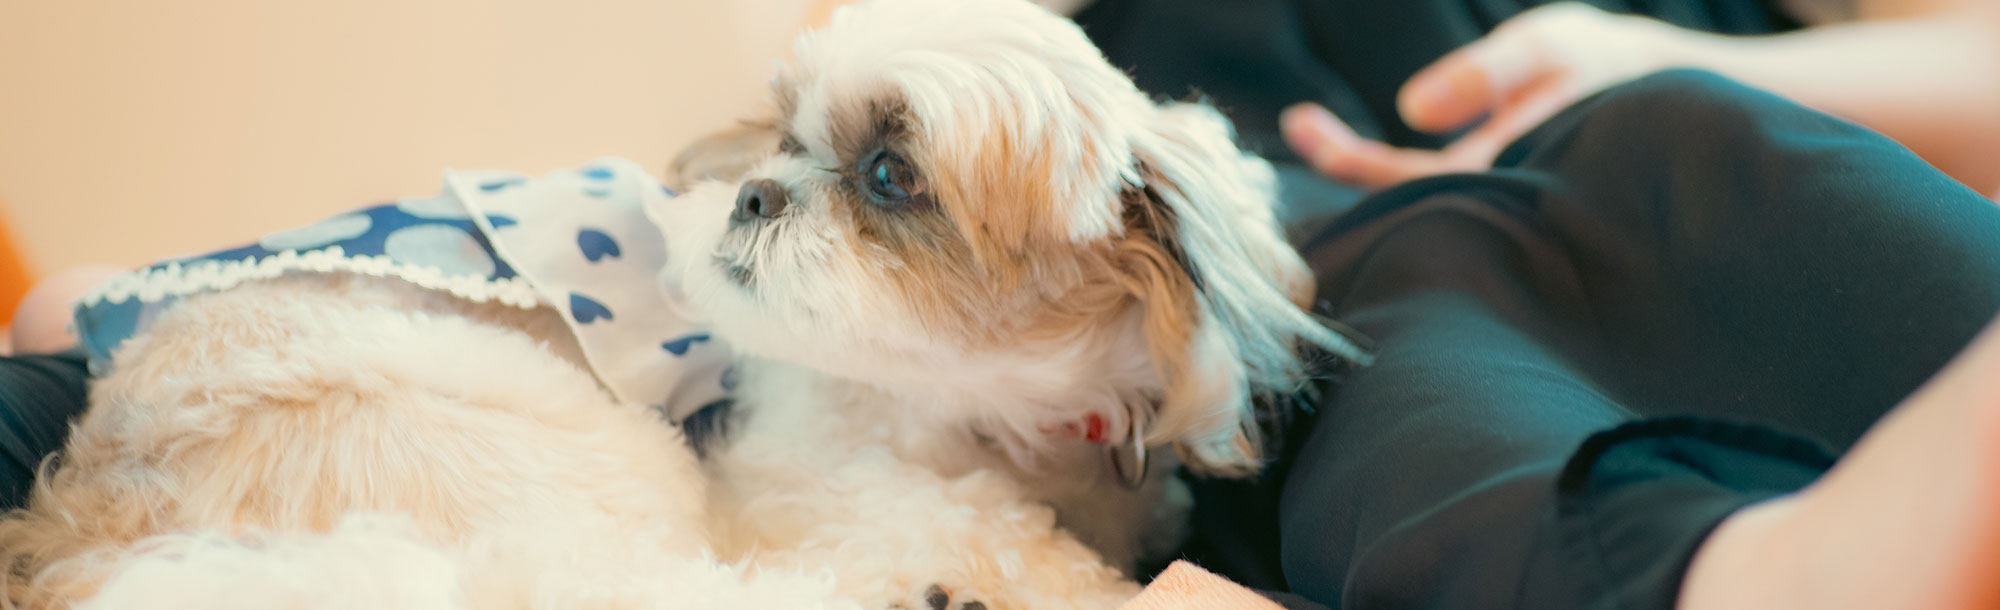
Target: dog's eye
890 179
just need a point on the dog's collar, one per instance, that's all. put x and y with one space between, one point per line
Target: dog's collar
1126 458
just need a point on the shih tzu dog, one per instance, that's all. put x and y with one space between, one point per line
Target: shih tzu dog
966 244
973 275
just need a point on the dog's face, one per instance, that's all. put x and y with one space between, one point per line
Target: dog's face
962 196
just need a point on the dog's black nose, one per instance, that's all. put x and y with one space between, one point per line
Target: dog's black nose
761 197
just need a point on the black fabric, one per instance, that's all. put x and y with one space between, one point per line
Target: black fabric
1676 298
1253 58
39 395
1635 502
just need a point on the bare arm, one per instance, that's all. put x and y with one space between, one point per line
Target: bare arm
1924 72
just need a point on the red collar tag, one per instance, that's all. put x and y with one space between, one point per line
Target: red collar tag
1092 428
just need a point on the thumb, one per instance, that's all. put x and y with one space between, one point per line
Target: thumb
1472 81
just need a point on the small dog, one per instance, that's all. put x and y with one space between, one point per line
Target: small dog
973 274
966 241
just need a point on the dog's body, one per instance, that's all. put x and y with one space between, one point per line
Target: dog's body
980 274
257 448
273 411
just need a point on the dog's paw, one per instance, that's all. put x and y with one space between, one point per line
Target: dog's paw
936 597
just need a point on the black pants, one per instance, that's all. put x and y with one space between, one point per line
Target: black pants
1676 298
39 395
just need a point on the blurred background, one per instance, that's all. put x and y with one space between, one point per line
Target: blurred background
175 128
135 130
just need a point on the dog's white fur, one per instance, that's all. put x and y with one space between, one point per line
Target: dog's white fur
328 441
1052 304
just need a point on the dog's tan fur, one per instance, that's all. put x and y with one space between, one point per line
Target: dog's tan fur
1077 251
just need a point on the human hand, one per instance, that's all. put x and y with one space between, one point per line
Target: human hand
1525 71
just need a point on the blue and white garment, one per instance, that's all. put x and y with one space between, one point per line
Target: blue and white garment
577 241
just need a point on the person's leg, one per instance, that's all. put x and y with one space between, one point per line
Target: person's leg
1429 477
1744 257
1870 273
1445 475
1677 246
1909 519
1464 421
39 395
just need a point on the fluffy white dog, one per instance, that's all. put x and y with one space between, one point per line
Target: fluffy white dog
973 272
966 243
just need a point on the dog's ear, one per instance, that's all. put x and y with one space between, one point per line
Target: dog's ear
724 155
1223 293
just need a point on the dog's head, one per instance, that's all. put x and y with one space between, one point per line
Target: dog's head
962 198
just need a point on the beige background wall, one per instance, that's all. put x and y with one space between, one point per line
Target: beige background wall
132 130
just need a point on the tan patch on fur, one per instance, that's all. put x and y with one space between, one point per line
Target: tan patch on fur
1152 268
989 260
1000 195
984 255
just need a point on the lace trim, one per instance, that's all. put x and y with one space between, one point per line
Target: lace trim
177 280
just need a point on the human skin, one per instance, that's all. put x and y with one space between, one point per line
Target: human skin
1909 518
1923 72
